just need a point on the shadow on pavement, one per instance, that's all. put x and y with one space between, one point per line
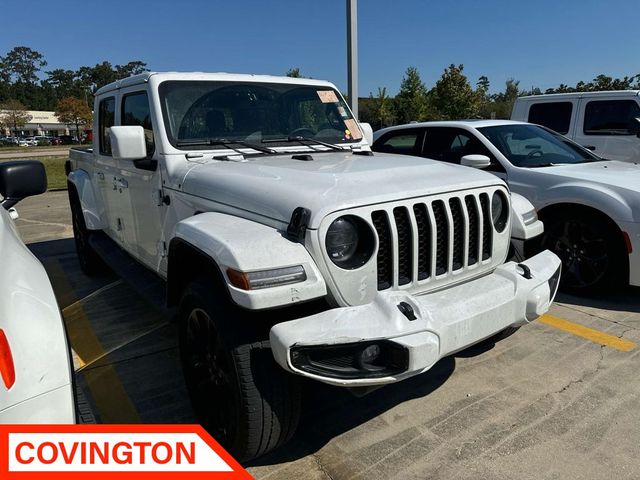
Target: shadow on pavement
328 412
625 299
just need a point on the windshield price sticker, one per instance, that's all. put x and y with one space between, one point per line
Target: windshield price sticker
327 96
133 451
353 128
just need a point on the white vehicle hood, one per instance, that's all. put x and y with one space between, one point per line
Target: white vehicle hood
614 174
273 186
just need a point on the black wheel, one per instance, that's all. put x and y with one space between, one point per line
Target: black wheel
240 395
90 262
591 250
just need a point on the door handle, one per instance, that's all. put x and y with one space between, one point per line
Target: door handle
101 175
590 147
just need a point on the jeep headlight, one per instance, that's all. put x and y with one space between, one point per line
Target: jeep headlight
499 210
350 242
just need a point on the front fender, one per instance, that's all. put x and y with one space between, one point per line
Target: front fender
598 197
91 209
247 246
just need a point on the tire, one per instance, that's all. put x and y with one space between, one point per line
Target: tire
592 252
90 263
240 395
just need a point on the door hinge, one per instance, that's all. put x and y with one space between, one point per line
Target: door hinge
163 199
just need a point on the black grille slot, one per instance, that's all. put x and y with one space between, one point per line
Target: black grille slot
487 227
474 231
385 255
458 232
442 236
405 245
424 240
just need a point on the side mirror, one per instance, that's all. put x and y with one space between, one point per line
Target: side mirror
634 126
368 132
128 143
21 179
475 161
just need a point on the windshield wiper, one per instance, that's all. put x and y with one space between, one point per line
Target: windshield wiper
309 142
226 143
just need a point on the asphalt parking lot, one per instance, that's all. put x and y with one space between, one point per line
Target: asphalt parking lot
559 399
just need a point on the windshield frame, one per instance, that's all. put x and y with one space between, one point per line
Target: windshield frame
343 117
573 147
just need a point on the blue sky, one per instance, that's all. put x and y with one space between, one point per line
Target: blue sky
541 43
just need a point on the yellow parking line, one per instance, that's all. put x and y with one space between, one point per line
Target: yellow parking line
596 336
109 395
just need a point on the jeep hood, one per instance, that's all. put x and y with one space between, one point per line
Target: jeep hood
273 186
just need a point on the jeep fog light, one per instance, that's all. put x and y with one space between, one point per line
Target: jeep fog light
266 278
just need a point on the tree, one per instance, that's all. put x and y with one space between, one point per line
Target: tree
411 101
382 112
74 111
453 96
293 73
22 64
14 114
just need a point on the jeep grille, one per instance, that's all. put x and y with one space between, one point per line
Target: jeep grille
432 239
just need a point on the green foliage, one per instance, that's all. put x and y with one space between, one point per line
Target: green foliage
411 101
294 73
452 96
19 79
21 65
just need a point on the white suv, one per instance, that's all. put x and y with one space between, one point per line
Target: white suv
607 123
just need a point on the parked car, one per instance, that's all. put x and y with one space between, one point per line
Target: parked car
56 141
35 365
42 140
607 123
31 141
67 139
287 247
590 206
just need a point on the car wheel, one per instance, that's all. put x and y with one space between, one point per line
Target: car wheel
592 254
90 262
240 395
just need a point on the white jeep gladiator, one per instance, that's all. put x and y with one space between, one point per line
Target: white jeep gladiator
286 247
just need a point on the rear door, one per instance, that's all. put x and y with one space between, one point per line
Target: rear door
603 127
557 115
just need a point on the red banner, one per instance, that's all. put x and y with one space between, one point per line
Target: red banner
113 451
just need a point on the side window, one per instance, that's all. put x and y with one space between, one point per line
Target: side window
106 120
451 144
401 141
135 111
553 115
609 117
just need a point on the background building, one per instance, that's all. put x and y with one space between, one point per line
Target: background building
42 123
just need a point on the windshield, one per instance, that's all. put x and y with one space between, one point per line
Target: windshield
196 112
533 146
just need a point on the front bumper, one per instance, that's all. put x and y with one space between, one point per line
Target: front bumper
443 322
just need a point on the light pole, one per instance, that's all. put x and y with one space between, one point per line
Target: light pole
352 55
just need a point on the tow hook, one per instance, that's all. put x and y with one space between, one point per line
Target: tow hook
526 271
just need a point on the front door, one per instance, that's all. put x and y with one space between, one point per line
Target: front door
141 182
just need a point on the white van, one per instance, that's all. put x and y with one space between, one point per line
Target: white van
608 123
